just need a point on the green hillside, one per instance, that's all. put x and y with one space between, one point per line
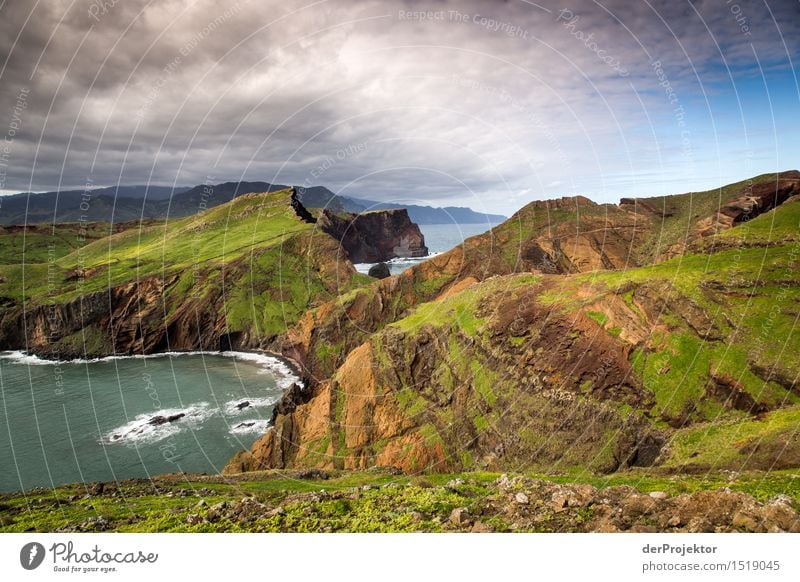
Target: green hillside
250 267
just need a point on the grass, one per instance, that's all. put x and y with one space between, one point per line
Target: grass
216 236
372 502
768 227
683 211
251 261
598 317
43 243
747 292
458 312
727 444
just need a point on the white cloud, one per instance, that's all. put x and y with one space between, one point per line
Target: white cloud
448 110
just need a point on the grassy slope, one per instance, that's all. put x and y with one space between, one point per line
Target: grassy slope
737 287
747 291
501 251
682 213
270 264
44 242
165 504
221 234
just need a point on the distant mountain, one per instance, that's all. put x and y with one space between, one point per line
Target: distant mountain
113 204
446 215
319 197
124 203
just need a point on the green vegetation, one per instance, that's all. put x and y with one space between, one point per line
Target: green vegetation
682 211
217 236
743 291
458 312
368 501
773 226
44 243
252 263
764 442
598 316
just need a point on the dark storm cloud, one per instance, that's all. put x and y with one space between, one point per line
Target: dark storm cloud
478 103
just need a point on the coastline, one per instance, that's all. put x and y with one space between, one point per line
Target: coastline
287 374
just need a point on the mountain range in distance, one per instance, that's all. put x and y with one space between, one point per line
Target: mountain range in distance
125 203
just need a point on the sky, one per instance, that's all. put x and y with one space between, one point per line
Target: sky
482 104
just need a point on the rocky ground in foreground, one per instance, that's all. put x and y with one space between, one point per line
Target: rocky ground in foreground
317 501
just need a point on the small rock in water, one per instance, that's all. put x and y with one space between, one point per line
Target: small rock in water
379 271
160 419
243 404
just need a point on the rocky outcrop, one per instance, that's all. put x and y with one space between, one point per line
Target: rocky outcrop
548 355
546 506
534 388
379 271
565 236
182 309
371 237
299 209
753 201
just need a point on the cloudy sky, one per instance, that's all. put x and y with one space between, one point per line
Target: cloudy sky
480 104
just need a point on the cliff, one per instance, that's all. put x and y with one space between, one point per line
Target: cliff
562 237
231 277
376 236
234 276
449 366
473 380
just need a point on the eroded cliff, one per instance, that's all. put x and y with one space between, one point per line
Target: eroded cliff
448 366
371 237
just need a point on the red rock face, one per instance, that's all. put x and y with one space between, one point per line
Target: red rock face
752 201
377 236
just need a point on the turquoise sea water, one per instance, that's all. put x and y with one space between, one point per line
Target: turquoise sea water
123 417
438 238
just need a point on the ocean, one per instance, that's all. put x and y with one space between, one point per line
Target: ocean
123 417
438 238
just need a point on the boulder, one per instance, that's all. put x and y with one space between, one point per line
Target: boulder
379 271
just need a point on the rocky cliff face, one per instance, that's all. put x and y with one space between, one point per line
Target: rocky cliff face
565 236
161 313
449 366
507 386
372 237
90 303
242 297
